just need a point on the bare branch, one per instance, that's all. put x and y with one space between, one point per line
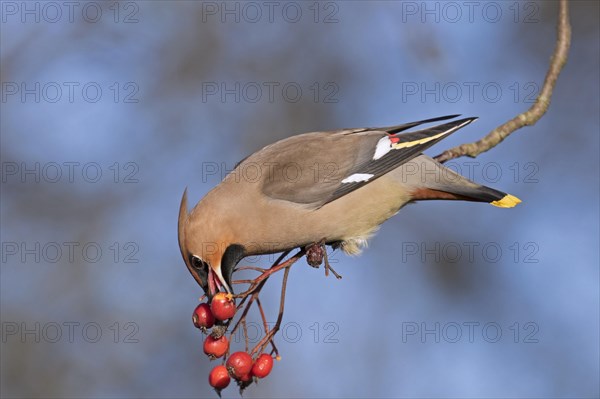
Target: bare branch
537 110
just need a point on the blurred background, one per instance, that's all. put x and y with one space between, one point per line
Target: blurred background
110 109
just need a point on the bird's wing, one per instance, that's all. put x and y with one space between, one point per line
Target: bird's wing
314 169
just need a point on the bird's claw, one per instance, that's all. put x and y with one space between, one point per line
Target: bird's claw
316 254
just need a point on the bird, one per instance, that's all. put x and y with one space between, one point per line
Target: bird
321 188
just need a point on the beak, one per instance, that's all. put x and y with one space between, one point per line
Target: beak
219 276
216 282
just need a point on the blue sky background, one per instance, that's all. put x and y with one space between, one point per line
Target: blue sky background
541 291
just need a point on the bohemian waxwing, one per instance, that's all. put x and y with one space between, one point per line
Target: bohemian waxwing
332 187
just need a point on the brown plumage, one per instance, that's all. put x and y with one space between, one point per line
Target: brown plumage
336 187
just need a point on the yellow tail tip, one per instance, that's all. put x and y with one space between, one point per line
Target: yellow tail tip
508 201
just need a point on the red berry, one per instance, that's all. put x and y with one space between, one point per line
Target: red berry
222 306
215 348
239 364
219 377
262 366
203 317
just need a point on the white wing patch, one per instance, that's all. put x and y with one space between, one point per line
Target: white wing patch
384 145
357 178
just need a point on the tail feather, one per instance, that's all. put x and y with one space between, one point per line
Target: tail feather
438 182
477 194
485 194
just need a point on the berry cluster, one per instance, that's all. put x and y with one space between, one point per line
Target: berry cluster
212 320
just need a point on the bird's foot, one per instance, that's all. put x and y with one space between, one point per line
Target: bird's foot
316 254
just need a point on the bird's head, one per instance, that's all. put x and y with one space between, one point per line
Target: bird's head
209 256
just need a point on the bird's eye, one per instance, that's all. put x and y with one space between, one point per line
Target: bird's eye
199 263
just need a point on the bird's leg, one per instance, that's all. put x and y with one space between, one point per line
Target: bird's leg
328 267
316 254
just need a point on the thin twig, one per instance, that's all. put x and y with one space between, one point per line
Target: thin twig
257 281
253 293
242 282
258 269
257 285
259 348
266 325
245 329
274 350
537 110
262 315
243 316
